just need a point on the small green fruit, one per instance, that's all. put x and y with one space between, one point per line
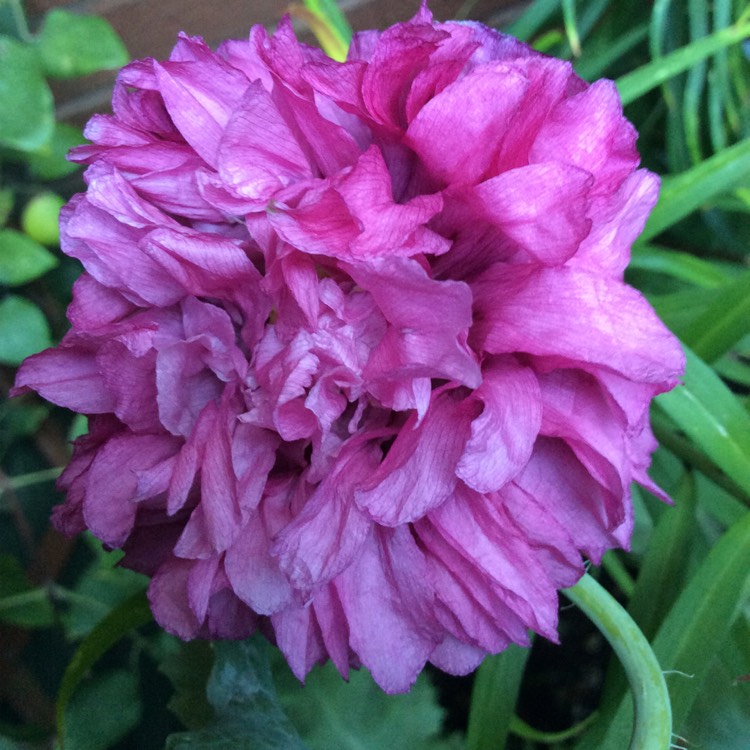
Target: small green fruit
39 218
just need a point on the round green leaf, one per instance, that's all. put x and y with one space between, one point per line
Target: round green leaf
26 108
40 218
22 259
71 45
23 330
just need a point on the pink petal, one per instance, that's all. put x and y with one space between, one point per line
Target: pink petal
424 339
419 472
590 512
200 98
541 207
589 131
68 376
379 604
579 317
111 514
259 153
503 435
472 110
324 538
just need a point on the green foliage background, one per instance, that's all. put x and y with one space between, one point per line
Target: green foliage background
80 659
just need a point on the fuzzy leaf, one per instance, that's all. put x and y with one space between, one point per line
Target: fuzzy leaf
248 714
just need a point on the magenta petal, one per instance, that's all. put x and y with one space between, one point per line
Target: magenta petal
253 573
390 641
577 316
470 111
556 478
419 472
167 595
456 657
299 638
81 388
111 515
200 99
324 538
204 264
354 217
503 435
588 131
259 153
527 205
423 339
491 543
131 381
617 221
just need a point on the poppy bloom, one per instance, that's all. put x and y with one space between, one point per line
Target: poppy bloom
360 366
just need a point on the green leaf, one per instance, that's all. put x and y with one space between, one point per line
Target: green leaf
20 603
653 74
328 712
701 618
26 108
22 259
102 711
712 417
7 201
49 162
334 17
684 193
723 323
188 669
131 614
248 714
720 716
679 265
98 591
532 19
72 45
493 698
23 330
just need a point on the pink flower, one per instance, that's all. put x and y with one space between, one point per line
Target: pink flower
361 368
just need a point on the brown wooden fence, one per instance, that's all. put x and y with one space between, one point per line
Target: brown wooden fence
150 27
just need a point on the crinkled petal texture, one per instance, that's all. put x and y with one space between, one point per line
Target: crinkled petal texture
359 361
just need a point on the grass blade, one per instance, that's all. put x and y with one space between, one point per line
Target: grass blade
712 417
649 76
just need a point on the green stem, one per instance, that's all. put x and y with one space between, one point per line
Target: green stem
27 480
521 729
653 714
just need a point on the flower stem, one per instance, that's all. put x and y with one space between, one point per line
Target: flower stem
653 713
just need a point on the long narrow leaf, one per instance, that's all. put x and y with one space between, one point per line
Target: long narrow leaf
493 699
723 323
703 616
649 76
707 411
684 193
